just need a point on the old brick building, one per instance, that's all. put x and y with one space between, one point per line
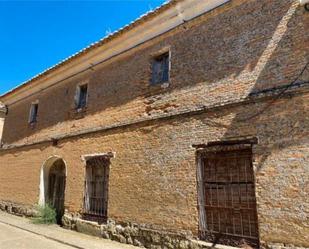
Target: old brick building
191 122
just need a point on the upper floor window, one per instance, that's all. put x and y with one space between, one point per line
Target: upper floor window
33 113
160 69
81 96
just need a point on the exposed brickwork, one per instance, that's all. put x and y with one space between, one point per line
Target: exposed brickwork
153 181
223 56
214 58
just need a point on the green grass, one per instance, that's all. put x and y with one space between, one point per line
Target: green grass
46 215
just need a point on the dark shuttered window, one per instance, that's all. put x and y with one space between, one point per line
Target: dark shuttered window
81 96
33 113
160 69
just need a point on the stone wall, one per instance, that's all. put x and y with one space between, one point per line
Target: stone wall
18 209
130 233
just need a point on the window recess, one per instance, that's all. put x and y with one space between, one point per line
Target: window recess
96 188
33 113
160 69
81 96
227 203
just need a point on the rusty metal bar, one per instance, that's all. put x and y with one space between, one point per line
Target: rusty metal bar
96 184
228 208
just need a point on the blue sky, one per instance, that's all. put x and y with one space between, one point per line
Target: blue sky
35 35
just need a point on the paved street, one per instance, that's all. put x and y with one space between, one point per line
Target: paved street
14 238
19 233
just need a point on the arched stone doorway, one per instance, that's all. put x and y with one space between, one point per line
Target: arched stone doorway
52 185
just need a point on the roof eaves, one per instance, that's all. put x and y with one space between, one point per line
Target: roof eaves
141 19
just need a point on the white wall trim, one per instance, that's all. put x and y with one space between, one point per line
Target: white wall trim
44 176
86 157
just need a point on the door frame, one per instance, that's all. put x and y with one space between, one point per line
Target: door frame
213 147
44 178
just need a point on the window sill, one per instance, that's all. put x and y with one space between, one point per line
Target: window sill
79 113
94 218
155 89
81 109
162 85
32 125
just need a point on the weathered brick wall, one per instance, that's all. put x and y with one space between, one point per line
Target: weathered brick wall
153 176
243 47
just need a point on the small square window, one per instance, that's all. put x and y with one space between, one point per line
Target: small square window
81 96
160 69
33 113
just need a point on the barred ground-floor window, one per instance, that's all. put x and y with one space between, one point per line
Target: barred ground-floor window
96 188
227 203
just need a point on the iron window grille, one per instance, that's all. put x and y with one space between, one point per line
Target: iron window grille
96 189
227 201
